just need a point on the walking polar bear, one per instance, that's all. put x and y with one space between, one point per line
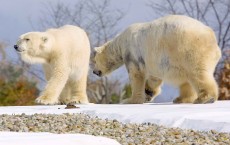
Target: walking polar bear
64 53
175 49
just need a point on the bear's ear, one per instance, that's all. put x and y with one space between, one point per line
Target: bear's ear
44 39
98 50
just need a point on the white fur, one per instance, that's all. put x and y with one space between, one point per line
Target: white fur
175 49
64 53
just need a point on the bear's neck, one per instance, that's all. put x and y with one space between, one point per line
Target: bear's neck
114 51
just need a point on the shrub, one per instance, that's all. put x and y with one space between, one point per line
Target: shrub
15 88
127 91
224 82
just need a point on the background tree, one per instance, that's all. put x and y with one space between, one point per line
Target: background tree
2 52
96 18
16 88
100 22
214 13
104 91
225 82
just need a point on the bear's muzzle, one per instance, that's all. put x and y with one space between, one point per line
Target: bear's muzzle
17 48
97 72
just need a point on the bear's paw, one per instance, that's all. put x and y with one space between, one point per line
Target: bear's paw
46 100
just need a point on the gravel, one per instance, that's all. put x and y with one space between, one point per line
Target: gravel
126 134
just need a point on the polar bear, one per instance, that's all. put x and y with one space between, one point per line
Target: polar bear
64 53
175 49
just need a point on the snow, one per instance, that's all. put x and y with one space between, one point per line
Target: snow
203 117
15 138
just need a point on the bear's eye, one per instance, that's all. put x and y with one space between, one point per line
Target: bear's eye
110 64
27 39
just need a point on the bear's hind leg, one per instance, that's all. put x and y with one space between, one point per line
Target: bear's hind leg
187 94
206 88
65 94
78 91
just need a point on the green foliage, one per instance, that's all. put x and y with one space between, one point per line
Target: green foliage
115 99
127 91
15 88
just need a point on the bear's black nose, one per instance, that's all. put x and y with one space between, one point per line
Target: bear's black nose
97 72
16 47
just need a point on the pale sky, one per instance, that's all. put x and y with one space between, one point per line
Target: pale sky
15 14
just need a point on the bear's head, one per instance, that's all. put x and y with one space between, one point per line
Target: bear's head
104 61
34 47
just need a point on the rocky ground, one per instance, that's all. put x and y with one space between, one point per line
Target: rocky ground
126 134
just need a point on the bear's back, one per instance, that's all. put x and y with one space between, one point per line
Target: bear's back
181 21
72 42
177 31
72 37
67 31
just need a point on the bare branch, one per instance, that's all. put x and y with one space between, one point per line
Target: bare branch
171 5
225 35
185 8
158 8
204 11
218 20
2 51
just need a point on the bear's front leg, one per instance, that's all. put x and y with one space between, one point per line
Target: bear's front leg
137 80
55 85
